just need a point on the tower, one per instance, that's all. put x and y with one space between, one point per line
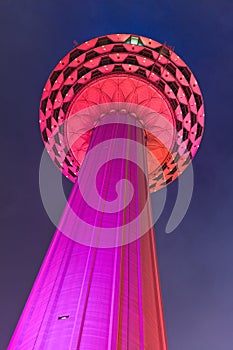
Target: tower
120 115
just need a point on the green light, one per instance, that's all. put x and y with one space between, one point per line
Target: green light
134 40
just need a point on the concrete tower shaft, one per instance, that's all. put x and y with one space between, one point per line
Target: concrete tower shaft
87 297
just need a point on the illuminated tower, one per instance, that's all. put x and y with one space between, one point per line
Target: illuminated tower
120 115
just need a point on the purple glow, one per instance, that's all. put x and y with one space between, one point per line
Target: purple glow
99 298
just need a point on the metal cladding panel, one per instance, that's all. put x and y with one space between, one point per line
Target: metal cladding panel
95 297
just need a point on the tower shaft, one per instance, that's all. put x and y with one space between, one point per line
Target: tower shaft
90 296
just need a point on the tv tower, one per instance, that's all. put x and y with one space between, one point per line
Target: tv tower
121 116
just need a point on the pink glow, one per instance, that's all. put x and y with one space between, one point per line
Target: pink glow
131 69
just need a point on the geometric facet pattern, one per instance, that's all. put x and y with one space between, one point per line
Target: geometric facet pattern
132 57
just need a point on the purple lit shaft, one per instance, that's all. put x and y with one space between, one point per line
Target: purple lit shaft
87 297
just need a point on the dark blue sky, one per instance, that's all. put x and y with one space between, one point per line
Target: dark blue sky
196 261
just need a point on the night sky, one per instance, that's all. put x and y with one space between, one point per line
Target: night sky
196 260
